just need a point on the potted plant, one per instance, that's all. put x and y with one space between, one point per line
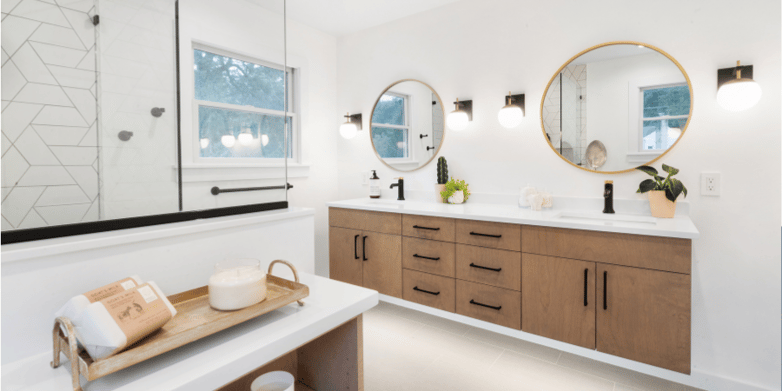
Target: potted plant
663 192
442 178
456 192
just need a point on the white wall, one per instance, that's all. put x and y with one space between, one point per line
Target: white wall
481 49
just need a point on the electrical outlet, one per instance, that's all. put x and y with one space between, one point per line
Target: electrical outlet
710 183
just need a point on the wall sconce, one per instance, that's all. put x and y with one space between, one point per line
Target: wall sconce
228 140
245 137
351 127
737 91
512 114
204 143
461 117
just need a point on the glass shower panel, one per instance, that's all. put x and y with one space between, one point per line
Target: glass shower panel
570 120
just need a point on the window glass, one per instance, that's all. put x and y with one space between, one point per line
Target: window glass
225 133
390 110
390 142
662 134
666 101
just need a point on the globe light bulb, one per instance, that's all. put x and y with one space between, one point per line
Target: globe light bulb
245 138
510 116
264 139
348 130
228 140
739 94
458 120
204 143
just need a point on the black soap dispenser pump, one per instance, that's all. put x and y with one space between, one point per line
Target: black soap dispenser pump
374 185
608 194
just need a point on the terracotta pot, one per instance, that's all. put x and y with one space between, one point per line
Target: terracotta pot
437 197
661 206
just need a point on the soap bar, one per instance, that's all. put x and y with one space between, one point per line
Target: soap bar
74 307
112 324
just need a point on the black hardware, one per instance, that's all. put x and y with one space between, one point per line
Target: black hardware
431 229
421 256
401 189
124 135
425 291
179 109
364 248
605 290
727 74
485 305
486 235
518 100
423 135
466 106
354 119
216 190
485 268
428 148
157 111
355 246
608 194
586 276
95 20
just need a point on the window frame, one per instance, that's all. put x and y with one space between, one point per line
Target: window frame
292 113
642 118
408 126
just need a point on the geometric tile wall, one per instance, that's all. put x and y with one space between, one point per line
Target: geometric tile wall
565 119
49 113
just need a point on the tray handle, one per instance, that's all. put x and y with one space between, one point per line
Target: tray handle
72 347
293 268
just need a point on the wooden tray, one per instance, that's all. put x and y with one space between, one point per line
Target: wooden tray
195 319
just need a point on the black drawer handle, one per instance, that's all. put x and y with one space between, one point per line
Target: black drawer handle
605 290
364 248
586 277
421 256
429 228
485 305
425 291
355 246
486 235
485 268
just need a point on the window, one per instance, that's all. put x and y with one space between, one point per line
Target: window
391 126
240 107
664 113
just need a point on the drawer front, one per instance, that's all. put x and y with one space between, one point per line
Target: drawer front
426 227
648 252
488 234
492 304
365 220
489 266
428 256
428 289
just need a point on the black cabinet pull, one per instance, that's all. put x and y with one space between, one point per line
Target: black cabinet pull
429 228
485 305
485 268
486 235
355 246
421 256
425 291
364 248
586 277
605 290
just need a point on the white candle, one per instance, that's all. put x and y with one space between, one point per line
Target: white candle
237 285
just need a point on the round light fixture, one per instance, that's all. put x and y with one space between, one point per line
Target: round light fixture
264 139
245 138
204 143
739 94
511 115
458 119
349 129
228 140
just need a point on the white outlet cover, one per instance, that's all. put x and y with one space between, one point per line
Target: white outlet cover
710 183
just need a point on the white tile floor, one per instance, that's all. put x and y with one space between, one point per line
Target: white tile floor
410 350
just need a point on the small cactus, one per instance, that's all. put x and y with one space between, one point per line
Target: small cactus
442 171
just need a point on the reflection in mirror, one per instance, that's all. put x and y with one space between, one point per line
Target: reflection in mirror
616 107
407 125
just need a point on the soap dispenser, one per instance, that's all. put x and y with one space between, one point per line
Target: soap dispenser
374 185
608 195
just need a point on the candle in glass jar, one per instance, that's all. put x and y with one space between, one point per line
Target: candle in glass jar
237 284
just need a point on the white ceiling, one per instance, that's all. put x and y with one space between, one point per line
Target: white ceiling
342 17
611 52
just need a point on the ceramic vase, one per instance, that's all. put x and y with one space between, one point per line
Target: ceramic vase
457 198
660 204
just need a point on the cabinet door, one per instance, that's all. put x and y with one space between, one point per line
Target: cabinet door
345 255
644 315
382 262
558 299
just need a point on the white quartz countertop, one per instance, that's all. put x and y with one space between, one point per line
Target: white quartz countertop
680 226
218 359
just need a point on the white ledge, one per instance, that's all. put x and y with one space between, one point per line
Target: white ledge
212 172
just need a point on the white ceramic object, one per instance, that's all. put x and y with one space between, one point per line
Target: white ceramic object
456 198
237 284
525 192
273 381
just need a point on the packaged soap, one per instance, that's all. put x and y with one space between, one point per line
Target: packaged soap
112 324
73 308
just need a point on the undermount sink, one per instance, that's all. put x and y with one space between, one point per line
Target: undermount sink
605 218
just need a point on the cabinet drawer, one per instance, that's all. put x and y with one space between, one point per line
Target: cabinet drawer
427 227
365 220
428 289
648 252
492 304
489 266
488 234
428 256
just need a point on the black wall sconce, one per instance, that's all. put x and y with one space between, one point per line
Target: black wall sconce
351 127
512 114
462 116
736 89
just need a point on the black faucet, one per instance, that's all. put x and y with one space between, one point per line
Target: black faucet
608 194
401 189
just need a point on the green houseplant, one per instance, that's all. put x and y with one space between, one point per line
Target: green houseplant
456 191
442 178
663 191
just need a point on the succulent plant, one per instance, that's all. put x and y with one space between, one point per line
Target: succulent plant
442 171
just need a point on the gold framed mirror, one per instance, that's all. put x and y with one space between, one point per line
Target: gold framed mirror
407 125
616 106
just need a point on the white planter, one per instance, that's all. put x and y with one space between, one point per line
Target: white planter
456 198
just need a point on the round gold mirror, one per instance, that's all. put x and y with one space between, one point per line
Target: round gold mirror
407 125
616 106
